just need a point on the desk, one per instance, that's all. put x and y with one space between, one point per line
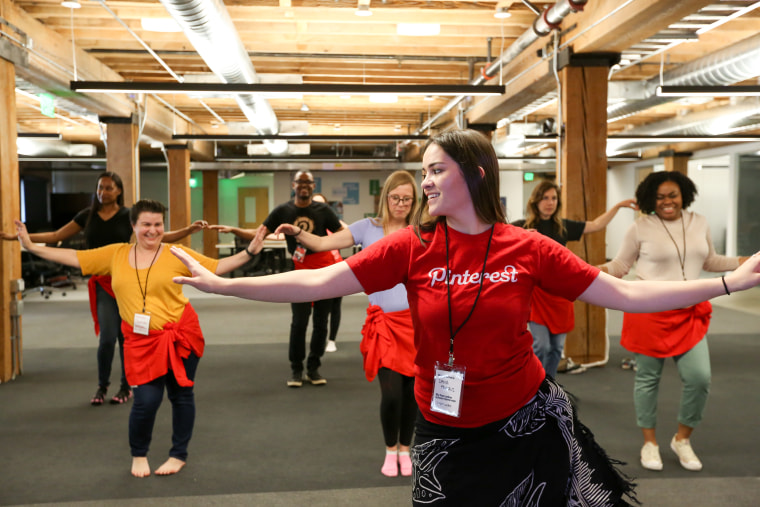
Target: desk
226 246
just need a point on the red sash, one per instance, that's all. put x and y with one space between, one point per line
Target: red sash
554 312
149 357
666 334
388 341
105 282
316 260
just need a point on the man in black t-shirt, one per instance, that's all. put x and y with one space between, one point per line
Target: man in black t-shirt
316 218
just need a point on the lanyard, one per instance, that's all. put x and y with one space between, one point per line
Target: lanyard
453 333
145 293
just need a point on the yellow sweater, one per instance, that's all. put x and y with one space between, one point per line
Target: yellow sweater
164 300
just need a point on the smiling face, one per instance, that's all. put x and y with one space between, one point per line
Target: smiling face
149 230
107 191
668 203
547 206
444 185
303 186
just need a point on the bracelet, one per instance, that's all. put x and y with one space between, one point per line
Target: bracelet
249 253
723 279
299 232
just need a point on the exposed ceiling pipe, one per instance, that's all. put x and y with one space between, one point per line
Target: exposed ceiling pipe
208 26
710 122
542 26
727 66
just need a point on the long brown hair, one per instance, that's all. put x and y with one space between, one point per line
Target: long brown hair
395 180
96 205
472 151
533 216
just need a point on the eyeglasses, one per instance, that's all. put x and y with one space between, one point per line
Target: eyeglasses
303 182
395 199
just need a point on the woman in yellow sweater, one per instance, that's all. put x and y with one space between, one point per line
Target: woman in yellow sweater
163 340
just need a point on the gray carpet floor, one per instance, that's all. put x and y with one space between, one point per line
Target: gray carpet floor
256 442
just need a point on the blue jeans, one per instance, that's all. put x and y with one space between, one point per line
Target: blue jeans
148 398
297 349
110 333
547 346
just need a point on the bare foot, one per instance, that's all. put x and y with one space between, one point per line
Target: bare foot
140 466
171 466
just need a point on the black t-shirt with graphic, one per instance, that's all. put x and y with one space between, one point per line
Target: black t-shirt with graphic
316 218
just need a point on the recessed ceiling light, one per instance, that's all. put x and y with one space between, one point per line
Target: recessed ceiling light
383 98
502 12
304 107
71 4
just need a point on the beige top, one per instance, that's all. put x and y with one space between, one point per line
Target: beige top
656 253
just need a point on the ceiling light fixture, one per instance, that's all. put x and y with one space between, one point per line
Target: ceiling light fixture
71 4
304 107
363 10
299 138
501 12
708 91
274 90
162 25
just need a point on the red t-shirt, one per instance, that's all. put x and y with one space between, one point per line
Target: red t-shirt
495 346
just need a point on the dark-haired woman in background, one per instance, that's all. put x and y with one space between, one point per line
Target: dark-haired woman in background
669 243
164 341
552 317
105 222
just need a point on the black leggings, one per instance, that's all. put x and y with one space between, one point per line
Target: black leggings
398 408
334 318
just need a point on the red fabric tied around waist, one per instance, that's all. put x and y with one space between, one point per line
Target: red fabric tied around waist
387 341
105 282
666 334
147 357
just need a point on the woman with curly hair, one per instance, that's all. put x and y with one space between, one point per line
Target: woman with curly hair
669 243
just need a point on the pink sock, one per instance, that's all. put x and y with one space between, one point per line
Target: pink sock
405 463
390 466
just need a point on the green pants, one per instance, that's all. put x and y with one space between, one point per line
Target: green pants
694 370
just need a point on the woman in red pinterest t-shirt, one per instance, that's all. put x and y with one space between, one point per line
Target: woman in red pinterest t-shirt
493 430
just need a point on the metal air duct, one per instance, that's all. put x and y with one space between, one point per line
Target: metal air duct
727 66
208 26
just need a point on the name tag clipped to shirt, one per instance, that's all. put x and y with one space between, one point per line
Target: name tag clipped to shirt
299 254
142 323
447 389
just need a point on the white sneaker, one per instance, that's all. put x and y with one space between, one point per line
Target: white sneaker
685 454
331 346
650 457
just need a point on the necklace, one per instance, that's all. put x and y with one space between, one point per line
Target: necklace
681 260
145 293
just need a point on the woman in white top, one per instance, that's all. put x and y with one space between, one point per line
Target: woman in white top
669 243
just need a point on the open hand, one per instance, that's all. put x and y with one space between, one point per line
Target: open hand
202 279
197 226
746 276
288 229
23 235
220 228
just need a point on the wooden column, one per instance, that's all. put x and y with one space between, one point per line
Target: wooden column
210 213
10 350
583 162
122 156
676 161
179 189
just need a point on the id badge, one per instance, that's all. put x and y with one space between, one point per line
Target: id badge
299 254
448 389
142 323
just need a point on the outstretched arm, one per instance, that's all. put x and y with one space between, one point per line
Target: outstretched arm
247 234
341 239
605 218
227 264
656 296
290 287
67 256
174 236
64 233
